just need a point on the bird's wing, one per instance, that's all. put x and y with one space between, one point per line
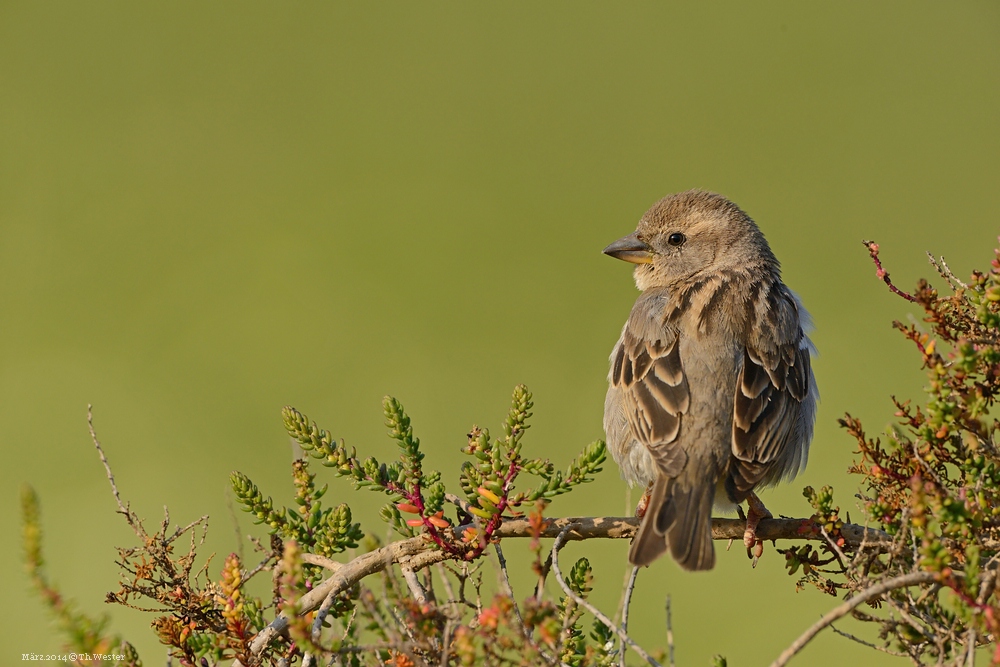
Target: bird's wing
655 395
770 391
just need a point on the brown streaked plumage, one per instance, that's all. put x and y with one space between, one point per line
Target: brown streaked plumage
711 394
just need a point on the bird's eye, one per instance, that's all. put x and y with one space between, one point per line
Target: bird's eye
676 238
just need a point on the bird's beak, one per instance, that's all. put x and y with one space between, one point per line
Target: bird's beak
630 249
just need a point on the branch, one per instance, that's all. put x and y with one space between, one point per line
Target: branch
902 581
416 589
419 552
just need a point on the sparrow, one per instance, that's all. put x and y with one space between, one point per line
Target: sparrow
711 394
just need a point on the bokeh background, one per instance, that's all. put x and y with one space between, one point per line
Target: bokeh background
208 211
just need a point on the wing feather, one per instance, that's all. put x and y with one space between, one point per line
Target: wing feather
773 383
656 396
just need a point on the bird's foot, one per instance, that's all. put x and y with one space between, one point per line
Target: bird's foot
755 512
640 509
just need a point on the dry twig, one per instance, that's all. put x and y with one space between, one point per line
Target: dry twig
629 587
556 546
867 594
670 634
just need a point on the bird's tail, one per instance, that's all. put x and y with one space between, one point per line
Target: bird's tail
680 518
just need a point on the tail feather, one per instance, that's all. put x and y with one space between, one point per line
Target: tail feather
681 519
648 544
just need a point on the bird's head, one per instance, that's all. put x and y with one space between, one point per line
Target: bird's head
691 234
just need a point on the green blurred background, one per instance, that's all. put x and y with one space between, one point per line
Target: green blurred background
208 211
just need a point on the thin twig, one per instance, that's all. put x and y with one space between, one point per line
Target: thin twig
836 549
350 622
882 274
458 502
970 641
626 600
864 643
902 581
598 614
446 643
508 590
259 568
543 575
448 589
257 544
367 599
376 646
989 581
670 634
945 271
122 509
235 522
477 584
927 633
400 623
181 530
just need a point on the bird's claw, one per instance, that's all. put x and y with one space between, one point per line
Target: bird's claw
640 509
755 512
755 552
